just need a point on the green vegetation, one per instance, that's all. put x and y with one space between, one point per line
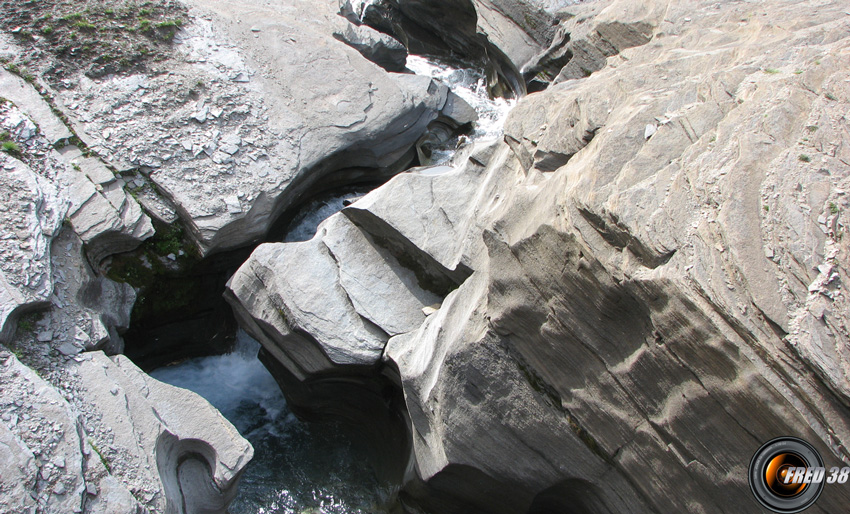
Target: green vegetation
26 326
812 128
12 148
830 96
833 209
102 457
9 146
771 71
804 158
77 35
766 208
85 26
27 322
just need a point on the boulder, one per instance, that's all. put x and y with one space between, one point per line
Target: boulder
379 48
167 444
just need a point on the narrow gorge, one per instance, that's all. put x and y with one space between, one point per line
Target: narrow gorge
419 256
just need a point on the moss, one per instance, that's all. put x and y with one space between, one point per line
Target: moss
27 322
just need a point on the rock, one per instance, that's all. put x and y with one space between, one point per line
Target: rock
49 429
379 48
25 272
166 431
578 49
69 349
610 304
17 478
107 218
340 120
33 105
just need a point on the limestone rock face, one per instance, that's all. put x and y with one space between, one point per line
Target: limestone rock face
168 444
140 445
259 108
43 186
645 279
80 432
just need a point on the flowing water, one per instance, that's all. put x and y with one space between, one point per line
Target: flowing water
471 85
298 468
303 468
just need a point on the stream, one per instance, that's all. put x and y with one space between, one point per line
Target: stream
301 468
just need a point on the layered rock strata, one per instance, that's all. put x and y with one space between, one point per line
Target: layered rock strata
645 278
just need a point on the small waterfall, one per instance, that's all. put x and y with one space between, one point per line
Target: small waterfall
471 85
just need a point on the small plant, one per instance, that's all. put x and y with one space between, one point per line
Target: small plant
771 71
830 96
85 26
833 209
102 458
817 62
73 16
804 158
798 72
812 129
170 24
766 208
144 12
76 166
144 25
11 148
47 30
109 12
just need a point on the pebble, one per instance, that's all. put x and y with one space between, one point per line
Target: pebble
68 349
45 336
59 489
